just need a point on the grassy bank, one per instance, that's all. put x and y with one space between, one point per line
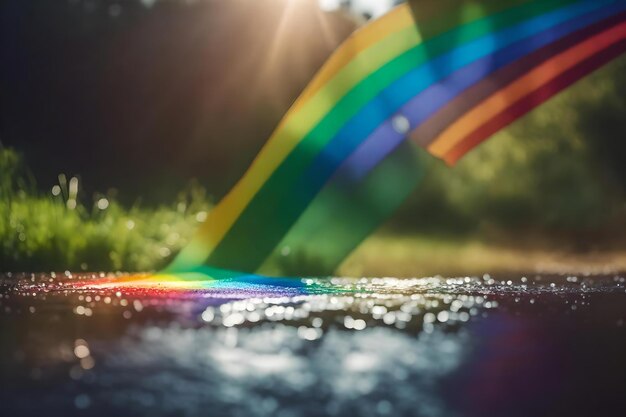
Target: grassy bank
418 255
65 229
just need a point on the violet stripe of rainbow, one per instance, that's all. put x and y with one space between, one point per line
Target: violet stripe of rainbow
516 59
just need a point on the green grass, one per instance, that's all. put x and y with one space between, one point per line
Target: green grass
70 231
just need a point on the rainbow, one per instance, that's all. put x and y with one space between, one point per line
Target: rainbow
206 283
443 75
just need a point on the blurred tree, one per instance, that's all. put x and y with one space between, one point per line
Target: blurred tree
561 168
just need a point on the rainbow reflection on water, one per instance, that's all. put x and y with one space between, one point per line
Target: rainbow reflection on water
204 283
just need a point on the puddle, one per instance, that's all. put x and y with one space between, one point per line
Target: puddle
251 346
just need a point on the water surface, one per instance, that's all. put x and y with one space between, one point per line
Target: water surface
105 345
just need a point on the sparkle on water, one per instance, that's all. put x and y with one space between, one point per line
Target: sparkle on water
254 346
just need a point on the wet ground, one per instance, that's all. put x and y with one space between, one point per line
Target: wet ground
473 346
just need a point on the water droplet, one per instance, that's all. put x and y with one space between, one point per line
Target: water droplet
400 124
81 351
359 324
201 216
102 203
208 315
443 316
